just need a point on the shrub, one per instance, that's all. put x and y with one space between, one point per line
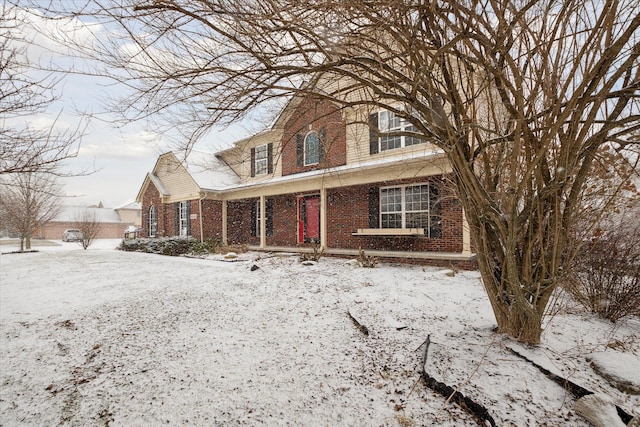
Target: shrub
606 275
367 261
315 256
209 246
172 246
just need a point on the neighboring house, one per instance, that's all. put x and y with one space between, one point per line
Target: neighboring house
318 176
111 226
130 213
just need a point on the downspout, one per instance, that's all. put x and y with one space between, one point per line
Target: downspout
323 217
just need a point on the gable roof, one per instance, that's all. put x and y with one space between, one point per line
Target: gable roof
206 170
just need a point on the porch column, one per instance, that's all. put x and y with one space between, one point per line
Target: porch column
323 218
263 222
224 223
466 235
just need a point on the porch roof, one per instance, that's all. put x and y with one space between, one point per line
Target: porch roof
429 157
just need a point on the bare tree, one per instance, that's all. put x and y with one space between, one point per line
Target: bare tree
523 96
26 90
89 225
28 202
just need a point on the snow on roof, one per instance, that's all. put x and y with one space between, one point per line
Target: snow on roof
130 206
209 172
159 185
429 154
75 213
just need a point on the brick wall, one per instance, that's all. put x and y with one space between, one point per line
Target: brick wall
285 217
167 215
239 222
151 197
212 220
313 115
348 210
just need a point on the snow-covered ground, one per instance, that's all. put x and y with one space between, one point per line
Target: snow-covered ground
104 337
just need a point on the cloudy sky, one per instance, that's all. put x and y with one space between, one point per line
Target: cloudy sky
118 156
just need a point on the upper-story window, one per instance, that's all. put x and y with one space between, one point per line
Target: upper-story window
311 149
262 159
386 132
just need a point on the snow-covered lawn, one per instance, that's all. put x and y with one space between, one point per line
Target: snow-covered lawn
103 337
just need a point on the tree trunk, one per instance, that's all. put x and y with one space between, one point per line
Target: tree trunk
518 299
28 242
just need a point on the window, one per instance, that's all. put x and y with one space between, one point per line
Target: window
411 206
261 160
388 122
153 221
311 149
184 218
255 218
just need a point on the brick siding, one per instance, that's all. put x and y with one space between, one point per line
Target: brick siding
313 115
348 210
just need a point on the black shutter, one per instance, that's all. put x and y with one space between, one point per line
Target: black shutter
373 133
253 162
435 211
323 147
146 218
269 217
374 207
176 219
299 150
188 205
269 158
254 219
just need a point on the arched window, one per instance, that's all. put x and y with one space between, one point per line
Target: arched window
311 149
153 221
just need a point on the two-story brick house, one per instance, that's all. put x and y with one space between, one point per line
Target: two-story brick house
320 175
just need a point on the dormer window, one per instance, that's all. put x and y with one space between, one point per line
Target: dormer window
261 162
262 159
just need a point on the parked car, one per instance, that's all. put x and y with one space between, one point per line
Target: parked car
72 235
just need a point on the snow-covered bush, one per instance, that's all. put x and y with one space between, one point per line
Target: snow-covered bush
172 246
209 246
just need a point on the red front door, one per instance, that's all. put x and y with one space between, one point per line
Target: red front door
309 219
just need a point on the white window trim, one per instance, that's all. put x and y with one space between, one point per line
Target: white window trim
184 219
261 164
404 125
403 211
153 221
304 151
